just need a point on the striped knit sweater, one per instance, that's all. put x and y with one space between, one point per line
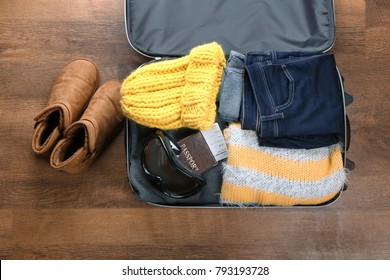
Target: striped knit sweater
278 176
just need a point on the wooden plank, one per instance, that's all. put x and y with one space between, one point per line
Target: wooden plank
185 233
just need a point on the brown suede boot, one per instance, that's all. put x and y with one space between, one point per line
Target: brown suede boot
72 89
86 138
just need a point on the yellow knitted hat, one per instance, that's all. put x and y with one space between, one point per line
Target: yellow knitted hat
176 93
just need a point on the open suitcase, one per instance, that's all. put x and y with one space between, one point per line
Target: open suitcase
166 29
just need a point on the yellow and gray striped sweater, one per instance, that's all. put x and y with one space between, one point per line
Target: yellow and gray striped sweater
278 176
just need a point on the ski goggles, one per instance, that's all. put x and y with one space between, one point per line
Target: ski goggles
160 161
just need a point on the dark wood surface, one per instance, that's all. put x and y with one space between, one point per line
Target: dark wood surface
45 214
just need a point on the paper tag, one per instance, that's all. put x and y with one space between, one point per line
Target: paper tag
216 142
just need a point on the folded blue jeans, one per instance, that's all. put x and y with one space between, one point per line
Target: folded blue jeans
230 94
293 99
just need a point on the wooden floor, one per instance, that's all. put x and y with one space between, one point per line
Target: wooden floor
45 214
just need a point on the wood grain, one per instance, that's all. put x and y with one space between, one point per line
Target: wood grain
46 214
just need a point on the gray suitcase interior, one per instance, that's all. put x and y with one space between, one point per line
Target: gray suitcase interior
171 28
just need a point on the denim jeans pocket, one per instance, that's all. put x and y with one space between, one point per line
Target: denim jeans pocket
291 89
281 86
